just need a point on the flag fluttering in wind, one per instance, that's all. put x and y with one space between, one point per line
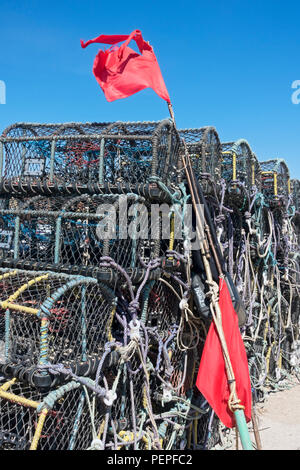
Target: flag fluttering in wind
121 72
212 379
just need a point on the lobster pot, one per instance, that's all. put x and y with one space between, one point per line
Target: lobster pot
204 148
275 180
61 419
118 227
79 231
295 188
115 153
296 226
239 164
69 417
27 231
53 318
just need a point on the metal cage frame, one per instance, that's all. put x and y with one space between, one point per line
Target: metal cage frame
275 179
204 147
85 152
240 164
295 190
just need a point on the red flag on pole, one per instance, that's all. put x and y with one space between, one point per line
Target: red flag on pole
121 72
212 379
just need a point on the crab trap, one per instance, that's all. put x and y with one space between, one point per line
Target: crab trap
295 189
85 153
77 232
81 415
240 166
61 419
275 180
204 148
73 380
56 318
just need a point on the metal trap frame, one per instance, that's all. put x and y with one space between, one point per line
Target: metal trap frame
275 180
295 190
81 230
119 152
204 149
240 165
67 417
51 317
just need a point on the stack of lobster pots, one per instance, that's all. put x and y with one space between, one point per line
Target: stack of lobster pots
88 316
103 303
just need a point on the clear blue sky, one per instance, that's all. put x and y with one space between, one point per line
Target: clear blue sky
229 64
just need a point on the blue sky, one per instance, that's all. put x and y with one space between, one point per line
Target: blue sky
230 64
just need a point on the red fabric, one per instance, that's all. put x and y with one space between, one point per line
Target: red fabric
212 378
121 72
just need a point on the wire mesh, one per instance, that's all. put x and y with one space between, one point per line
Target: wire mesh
275 179
81 230
69 421
52 318
295 188
239 164
204 149
90 153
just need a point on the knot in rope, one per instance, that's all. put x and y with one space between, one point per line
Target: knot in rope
183 304
213 292
235 405
134 332
109 398
133 307
126 352
96 444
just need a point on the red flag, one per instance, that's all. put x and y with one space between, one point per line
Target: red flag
121 72
212 379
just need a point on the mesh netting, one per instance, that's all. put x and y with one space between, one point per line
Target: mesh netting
295 187
275 179
90 153
61 361
204 149
79 231
52 318
239 164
